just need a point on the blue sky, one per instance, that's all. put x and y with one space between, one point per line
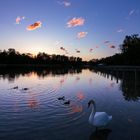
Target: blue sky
104 20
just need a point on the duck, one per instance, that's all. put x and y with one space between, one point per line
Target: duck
16 87
67 102
98 119
61 98
25 88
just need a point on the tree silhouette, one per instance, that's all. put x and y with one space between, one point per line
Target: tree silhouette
129 55
11 56
131 50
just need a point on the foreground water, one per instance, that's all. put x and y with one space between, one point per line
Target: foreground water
36 113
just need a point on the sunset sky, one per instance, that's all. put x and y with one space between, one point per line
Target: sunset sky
82 28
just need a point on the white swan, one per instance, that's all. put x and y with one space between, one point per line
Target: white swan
98 119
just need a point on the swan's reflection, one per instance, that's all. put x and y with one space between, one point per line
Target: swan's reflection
100 134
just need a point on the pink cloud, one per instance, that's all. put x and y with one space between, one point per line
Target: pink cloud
131 12
66 3
62 48
106 42
34 26
18 19
57 43
91 49
120 31
66 52
112 47
77 51
82 34
76 22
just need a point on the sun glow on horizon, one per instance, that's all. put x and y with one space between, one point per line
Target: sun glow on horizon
84 34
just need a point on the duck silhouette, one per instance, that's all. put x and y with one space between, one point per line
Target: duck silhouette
61 98
67 102
25 88
16 87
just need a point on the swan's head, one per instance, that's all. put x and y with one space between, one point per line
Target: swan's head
91 102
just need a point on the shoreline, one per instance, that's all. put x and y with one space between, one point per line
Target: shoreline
74 65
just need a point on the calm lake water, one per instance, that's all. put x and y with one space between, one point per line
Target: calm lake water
37 114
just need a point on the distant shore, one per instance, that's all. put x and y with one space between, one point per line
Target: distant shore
118 68
62 65
42 66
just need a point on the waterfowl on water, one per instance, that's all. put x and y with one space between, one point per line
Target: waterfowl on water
25 88
98 119
15 87
61 98
67 102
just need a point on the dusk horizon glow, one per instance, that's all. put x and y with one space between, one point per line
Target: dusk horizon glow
88 29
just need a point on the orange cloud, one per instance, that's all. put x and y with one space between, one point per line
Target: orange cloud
18 19
76 22
34 26
82 34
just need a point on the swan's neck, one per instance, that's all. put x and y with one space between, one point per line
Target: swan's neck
93 109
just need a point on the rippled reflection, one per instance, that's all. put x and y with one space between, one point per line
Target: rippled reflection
100 134
80 95
129 81
32 103
76 108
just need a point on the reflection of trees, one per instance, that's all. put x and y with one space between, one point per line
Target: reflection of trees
130 86
11 73
130 81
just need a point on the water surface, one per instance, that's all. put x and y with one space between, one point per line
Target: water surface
37 114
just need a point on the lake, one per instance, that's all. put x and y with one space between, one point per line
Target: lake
30 109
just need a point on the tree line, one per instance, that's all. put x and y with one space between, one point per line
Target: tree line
11 56
129 53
